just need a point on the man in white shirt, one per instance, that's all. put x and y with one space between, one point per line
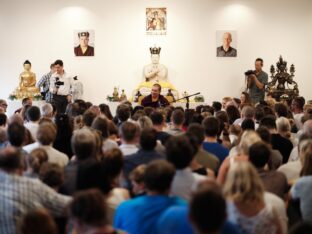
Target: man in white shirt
181 153
46 135
61 87
130 135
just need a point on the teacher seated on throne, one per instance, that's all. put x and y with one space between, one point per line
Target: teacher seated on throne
155 99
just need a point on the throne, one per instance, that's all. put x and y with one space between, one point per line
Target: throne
282 84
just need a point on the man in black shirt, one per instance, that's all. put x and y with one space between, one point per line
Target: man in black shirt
155 99
282 144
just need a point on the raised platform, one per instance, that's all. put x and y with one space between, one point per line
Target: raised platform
193 105
16 104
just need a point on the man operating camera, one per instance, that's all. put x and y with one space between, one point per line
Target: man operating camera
61 87
256 81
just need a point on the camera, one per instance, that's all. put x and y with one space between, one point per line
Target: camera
58 83
250 72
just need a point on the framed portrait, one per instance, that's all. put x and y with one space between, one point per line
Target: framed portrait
156 21
84 43
226 43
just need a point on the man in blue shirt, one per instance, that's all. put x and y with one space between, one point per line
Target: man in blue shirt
211 144
140 215
206 214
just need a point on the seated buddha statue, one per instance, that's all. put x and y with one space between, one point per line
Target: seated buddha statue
27 83
155 73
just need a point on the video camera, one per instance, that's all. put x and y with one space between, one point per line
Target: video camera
58 83
250 72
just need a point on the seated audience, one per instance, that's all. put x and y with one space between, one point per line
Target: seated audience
275 159
248 112
203 157
280 143
47 111
37 221
140 215
16 137
233 113
292 169
129 133
35 159
273 181
25 102
181 153
207 214
88 213
159 124
284 129
52 175
211 145
46 135
146 154
33 117
20 195
101 124
106 176
177 120
88 117
303 186
238 153
137 181
123 113
304 227
83 146
105 111
246 203
297 105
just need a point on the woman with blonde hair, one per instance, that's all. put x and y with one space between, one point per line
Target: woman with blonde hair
246 203
238 153
284 129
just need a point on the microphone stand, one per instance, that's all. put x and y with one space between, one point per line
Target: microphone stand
187 98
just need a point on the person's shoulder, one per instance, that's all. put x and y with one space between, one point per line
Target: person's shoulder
304 180
272 199
30 147
178 201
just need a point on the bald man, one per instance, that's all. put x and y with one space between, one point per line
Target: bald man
226 50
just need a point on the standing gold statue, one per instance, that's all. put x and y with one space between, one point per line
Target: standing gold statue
27 83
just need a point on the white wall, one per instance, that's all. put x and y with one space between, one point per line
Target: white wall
42 31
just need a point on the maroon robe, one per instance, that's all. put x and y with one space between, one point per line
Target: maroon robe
89 51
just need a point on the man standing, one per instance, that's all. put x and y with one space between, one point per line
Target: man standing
44 84
84 49
226 50
155 99
61 87
256 82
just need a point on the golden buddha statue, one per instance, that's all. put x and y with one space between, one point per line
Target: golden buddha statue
27 83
